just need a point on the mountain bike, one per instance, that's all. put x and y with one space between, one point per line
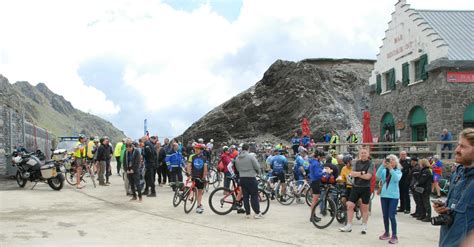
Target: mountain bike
222 200
70 173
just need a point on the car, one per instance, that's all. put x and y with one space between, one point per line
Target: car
66 145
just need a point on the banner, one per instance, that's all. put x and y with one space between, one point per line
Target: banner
460 77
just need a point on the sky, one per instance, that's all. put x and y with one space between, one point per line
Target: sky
172 61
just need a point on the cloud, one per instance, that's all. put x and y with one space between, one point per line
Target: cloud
173 61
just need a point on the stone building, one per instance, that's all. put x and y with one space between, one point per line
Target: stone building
423 78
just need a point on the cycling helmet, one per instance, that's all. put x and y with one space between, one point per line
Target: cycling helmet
212 140
225 148
200 146
346 159
200 140
82 137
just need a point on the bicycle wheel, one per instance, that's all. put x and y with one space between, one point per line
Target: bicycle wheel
70 177
219 178
341 215
309 197
190 200
322 218
287 198
264 201
222 200
178 197
212 176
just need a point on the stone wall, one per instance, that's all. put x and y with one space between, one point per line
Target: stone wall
15 130
443 102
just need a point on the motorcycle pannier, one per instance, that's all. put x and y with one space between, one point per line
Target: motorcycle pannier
48 171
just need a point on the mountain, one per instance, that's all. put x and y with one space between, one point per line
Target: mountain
53 112
331 93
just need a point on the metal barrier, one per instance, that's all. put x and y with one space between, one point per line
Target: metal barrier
382 149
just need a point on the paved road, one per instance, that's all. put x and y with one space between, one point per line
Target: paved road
104 216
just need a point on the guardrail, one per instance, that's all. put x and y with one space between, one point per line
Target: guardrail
381 149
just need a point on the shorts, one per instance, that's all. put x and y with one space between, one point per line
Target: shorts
198 183
436 178
316 187
279 177
360 193
346 193
78 162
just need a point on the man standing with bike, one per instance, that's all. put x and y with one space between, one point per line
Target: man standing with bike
279 166
248 168
362 173
197 168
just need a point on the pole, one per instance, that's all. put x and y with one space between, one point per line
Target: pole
145 129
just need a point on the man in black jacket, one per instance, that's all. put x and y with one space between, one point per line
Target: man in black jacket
149 155
414 176
131 164
404 184
101 159
162 170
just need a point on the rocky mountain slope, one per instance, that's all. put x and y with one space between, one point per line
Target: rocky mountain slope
331 93
51 111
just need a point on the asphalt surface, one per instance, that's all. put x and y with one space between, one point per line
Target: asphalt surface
103 216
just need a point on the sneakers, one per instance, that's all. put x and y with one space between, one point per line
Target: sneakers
393 240
258 216
199 210
364 229
384 236
346 228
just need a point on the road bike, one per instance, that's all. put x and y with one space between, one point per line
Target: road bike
70 173
186 193
222 200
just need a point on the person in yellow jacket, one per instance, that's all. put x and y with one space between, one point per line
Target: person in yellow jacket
117 152
334 139
79 156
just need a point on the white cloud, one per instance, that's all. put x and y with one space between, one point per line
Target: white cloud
178 59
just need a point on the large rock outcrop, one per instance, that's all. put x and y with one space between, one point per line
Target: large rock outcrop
51 111
331 93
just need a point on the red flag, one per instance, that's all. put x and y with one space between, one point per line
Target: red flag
305 127
366 133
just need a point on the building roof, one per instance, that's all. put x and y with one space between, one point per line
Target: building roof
456 28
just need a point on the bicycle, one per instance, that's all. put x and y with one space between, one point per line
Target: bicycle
296 192
188 194
222 200
322 217
70 173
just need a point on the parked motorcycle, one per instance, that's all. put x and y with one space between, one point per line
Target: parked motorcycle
31 168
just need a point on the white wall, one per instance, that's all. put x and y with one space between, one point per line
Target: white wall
408 37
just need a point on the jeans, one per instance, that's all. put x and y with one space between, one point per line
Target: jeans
102 166
162 172
250 191
389 209
150 178
176 175
108 170
134 180
447 146
119 164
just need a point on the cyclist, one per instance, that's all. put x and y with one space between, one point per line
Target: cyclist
300 168
279 166
79 155
233 173
315 174
117 151
295 143
90 152
226 160
345 177
197 169
362 173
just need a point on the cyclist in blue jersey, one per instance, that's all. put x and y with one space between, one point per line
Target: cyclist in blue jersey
315 174
299 169
279 166
197 168
295 143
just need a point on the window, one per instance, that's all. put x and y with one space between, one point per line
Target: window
389 80
405 74
468 121
378 86
420 68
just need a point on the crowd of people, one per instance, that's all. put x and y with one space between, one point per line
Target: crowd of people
397 177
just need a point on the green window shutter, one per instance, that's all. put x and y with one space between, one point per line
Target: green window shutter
423 65
405 74
392 79
378 86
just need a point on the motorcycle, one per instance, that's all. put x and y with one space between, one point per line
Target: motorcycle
31 168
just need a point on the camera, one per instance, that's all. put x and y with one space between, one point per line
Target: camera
387 160
444 219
